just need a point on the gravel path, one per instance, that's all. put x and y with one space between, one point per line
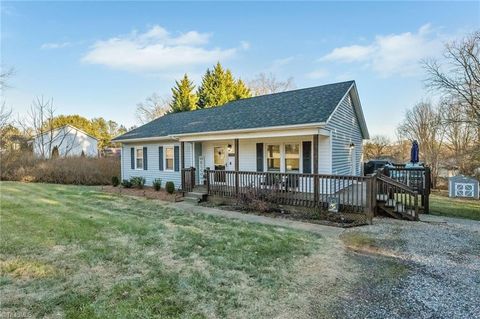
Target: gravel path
428 269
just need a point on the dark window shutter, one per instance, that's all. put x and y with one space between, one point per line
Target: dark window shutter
145 159
160 158
259 157
176 158
132 157
307 157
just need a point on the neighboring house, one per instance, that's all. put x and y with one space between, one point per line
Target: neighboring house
463 186
64 141
313 130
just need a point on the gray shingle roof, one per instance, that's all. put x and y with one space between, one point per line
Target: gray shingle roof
303 106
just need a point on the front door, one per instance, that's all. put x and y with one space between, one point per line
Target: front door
219 161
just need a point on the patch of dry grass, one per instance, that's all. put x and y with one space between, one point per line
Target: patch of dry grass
94 254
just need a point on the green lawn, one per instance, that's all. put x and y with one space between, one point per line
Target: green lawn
75 252
440 204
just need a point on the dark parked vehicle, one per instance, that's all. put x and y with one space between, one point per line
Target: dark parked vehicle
371 166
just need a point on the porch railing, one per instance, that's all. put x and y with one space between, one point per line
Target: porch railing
346 194
188 179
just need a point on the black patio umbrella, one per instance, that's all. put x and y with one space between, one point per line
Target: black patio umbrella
414 152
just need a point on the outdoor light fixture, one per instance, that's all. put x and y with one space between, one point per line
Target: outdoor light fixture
351 146
229 148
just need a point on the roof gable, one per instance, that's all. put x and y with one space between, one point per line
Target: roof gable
302 106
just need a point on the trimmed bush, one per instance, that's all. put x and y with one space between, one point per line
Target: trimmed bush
126 183
137 182
170 187
157 184
115 181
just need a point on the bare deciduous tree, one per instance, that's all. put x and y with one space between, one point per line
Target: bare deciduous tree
459 76
267 83
460 137
424 123
153 107
39 124
376 147
5 115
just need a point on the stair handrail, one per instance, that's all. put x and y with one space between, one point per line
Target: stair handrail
396 183
392 182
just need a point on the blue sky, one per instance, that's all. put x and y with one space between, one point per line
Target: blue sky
101 59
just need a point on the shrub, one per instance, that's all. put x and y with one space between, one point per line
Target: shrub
115 181
256 200
126 183
157 184
137 182
24 166
170 187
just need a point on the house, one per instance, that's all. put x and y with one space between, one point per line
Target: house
64 141
316 130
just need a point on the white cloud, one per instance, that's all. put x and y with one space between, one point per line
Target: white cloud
157 49
53 45
391 54
318 74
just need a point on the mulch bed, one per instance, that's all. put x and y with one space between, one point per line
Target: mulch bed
147 192
322 219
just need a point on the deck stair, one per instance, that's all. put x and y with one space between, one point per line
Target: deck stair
197 195
396 199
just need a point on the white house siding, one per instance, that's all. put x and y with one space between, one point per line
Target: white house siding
248 151
345 130
153 172
68 140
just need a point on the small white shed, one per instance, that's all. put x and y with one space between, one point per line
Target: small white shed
463 186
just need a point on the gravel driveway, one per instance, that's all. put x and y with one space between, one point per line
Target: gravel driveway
427 269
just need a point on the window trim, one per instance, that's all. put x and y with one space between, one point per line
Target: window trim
300 157
280 147
282 155
136 158
165 168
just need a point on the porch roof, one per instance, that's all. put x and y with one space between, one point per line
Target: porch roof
302 106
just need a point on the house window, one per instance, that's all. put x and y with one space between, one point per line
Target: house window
292 157
139 158
273 157
169 158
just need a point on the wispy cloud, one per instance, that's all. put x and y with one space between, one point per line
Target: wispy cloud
393 54
53 45
157 49
318 74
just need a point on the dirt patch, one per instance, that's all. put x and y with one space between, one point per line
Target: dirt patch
147 192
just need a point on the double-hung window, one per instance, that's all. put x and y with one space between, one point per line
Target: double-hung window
169 154
292 157
139 158
273 157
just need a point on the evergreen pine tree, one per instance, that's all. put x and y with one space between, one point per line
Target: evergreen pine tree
219 87
183 99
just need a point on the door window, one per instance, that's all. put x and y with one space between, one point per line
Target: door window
219 158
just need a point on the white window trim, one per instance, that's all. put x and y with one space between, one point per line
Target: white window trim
165 158
300 157
282 156
143 161
280 145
